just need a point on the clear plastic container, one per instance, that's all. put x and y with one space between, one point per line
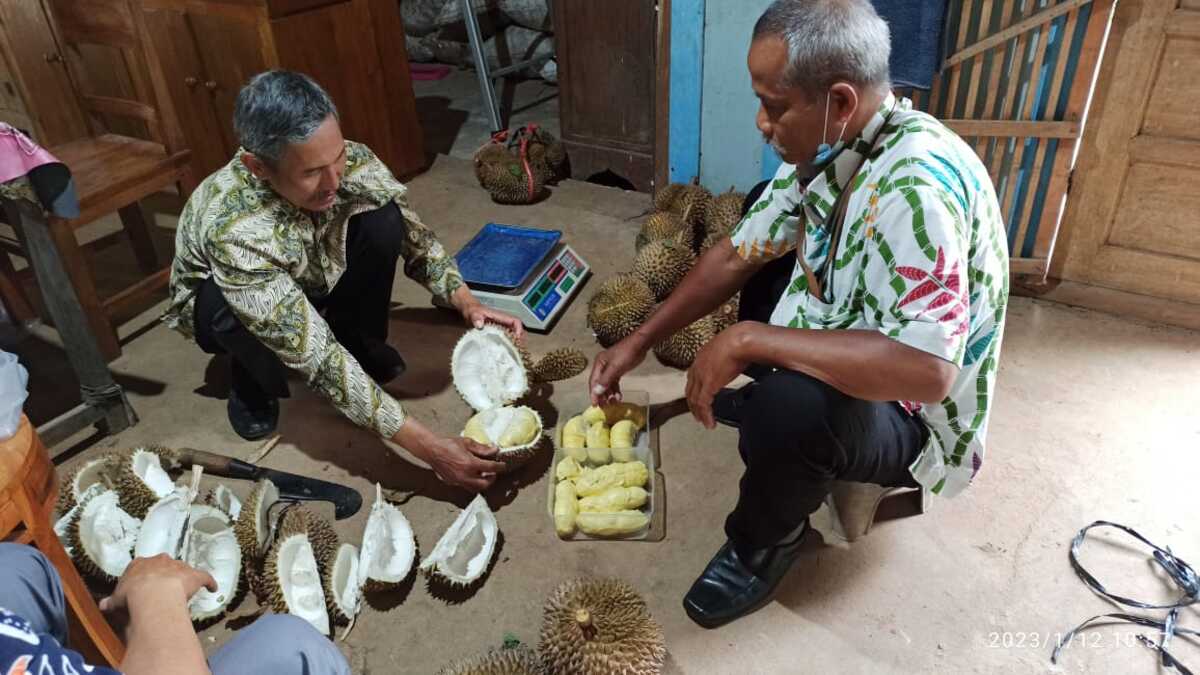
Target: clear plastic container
645 450
13 382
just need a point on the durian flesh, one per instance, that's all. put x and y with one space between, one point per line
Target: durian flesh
462 555
593 481
611 524
508 428
103 537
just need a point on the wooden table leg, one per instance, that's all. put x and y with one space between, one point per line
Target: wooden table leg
138 229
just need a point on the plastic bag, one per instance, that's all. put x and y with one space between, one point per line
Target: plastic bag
13 392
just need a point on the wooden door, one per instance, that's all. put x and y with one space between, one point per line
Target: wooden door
169 35
41 72
1133 218
230 49
606 55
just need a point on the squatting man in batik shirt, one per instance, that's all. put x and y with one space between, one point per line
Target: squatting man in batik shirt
285 259
873 279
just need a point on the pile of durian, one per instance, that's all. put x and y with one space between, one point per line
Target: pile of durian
124 505
688 220
516 168
589 627
601 484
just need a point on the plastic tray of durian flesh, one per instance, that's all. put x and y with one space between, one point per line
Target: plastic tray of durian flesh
611 488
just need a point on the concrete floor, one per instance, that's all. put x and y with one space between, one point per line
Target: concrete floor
454 119
1095 417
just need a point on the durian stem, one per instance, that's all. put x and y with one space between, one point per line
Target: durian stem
584 619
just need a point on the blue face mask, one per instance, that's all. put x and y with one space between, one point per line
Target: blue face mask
826 152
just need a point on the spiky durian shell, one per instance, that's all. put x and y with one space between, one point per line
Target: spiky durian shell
136 496
80 555
503 175
662 265
320 532
204 619
560 364
689 202
665 225
99 469
727 314
680 349
247 533
547 156
505 346
271 579
439 563
516 661
618 307
335 611
617 634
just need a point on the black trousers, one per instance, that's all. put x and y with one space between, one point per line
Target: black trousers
356 309
798 434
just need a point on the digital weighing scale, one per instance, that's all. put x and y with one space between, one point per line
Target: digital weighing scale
526 272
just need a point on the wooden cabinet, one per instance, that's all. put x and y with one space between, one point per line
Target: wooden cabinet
353 48
606 71
39 71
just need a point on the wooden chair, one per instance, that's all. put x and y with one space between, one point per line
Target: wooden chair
28 492
113 172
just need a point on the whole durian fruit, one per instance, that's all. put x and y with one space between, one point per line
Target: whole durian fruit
619 306
560 364
680 349
662 265
665 225
723 214
600 626
688 201
547 155
503 175
727 314
516 661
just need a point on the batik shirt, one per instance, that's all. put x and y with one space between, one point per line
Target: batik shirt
267 256
922 259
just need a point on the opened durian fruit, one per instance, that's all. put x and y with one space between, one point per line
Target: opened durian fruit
254 529
490 372
292 572
389 548
592 626
211 546
141 478
463 553
519 660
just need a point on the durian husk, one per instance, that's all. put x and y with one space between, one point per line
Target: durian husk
618 307
253 537
727 314
600 626
690 202
275 597
723 214
560 364
83 558
547 156
519 660
100 469
347 554
662 265
199 512
320 532
680 349
136 496
503 175
665 225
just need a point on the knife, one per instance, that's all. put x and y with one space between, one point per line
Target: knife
346 501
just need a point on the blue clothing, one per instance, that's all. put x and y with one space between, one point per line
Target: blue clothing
916 27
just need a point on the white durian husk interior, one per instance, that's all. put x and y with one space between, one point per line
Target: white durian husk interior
62 526
263 526
163 528
388 545
462 555
300 581
107 533
509 428
148 467
95 473
224 499
211 546
347 593
487 369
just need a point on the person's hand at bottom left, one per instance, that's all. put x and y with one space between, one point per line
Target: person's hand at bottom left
157 579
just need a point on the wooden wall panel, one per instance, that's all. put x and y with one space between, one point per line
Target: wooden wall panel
1157 211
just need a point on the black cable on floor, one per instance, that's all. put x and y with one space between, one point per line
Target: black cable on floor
1180 572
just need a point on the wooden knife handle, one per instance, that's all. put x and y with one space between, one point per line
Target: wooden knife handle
218 465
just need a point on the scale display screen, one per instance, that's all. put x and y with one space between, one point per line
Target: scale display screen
554 284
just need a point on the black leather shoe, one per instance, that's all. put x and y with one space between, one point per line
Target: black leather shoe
252 422
381 362
732 587
728 405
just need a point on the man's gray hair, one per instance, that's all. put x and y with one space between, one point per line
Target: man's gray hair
278 108
829 41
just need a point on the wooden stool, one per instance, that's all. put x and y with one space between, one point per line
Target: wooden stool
28 491
856 504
